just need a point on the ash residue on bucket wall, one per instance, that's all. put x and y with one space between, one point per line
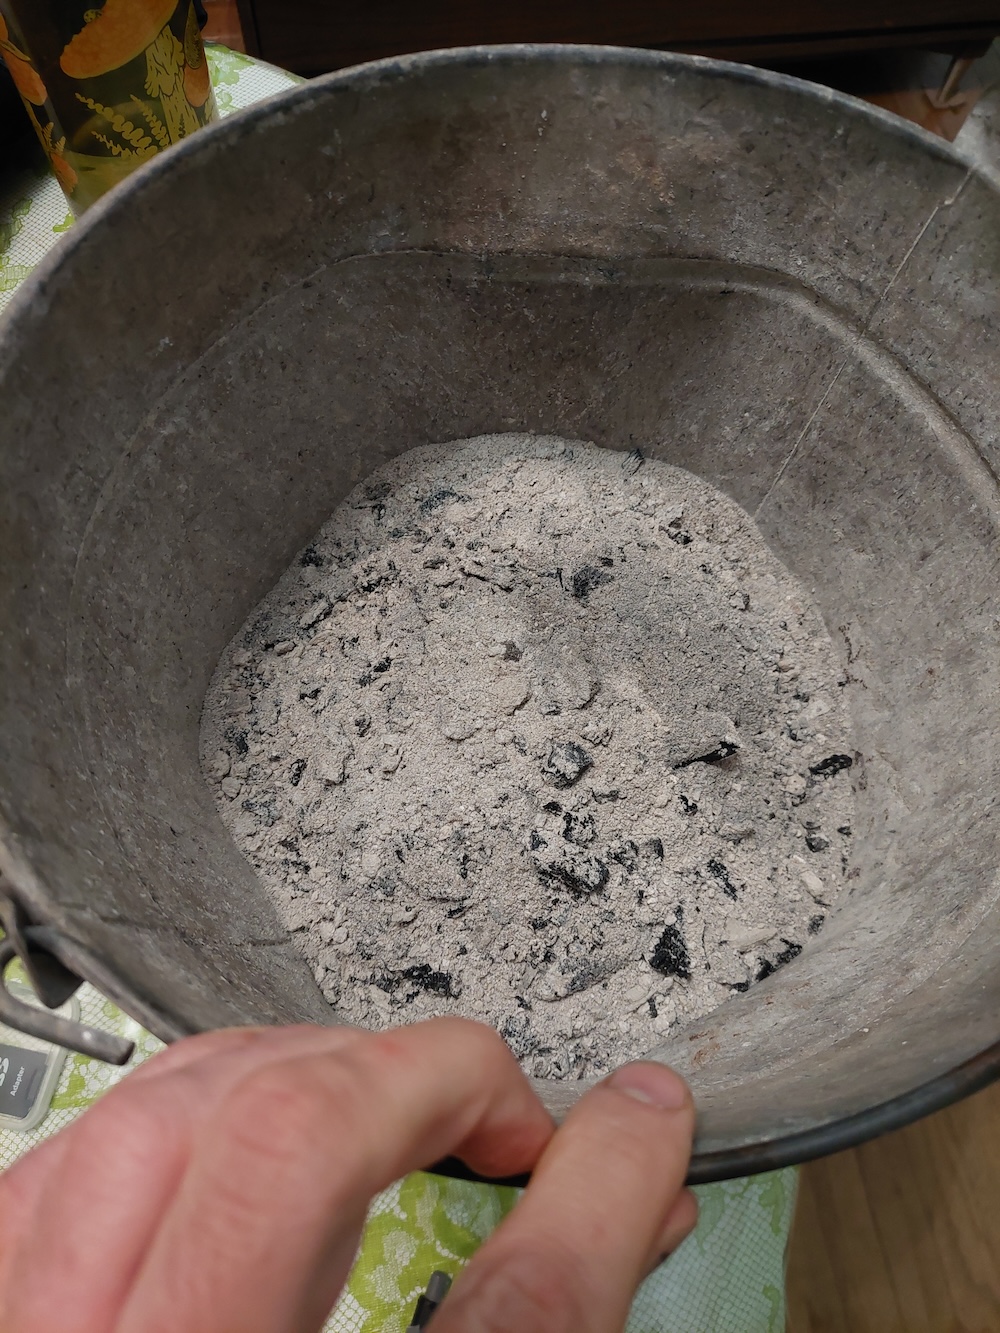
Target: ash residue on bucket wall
542 734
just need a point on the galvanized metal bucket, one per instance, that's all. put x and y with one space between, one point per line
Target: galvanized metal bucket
791 294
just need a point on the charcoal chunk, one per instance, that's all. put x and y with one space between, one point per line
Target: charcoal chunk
632 462
435 501
770 966
723 749
422 977
720 872
581 875
670 955
588 578
565 763
626 854
517 1033
237 738
579 828
833 763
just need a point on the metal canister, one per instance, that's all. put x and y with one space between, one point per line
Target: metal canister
106 87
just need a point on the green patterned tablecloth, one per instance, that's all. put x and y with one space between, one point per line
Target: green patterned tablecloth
728 1277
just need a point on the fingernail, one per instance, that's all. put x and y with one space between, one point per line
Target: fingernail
651 1083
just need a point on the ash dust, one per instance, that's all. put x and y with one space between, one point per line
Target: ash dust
541 734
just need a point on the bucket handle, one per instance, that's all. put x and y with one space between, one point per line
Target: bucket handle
38 948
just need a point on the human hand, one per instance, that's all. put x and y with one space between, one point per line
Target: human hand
222 1187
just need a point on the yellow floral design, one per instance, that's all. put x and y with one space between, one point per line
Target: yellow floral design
114 35
22 71
144 86
133 139
421 1224
54 149
165 80
197 79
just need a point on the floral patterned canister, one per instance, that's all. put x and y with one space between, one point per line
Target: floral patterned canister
106 86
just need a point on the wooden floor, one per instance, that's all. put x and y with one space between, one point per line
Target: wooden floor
902 1235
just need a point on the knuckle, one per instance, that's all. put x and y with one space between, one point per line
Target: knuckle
634 1135
129 1121
272 1104
287 1108
482 1045
639 1150
395 1053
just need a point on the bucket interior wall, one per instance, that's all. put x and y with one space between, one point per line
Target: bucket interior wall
625 276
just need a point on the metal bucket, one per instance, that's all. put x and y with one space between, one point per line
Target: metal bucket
791 294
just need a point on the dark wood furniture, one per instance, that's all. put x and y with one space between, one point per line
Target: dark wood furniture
311 36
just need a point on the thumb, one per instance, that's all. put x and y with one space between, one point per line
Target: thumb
605 1200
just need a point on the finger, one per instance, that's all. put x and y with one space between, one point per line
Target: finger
203 1046
22 1183
20 1189
597 1208
92 1199
680 1222
309 1141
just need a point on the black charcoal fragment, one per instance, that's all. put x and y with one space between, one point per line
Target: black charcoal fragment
581 875
588 578
579 828
421 976
720 872
724 749
670 955
834 763
565 763
436 500
770 966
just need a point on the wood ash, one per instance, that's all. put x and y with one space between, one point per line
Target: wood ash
541 734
